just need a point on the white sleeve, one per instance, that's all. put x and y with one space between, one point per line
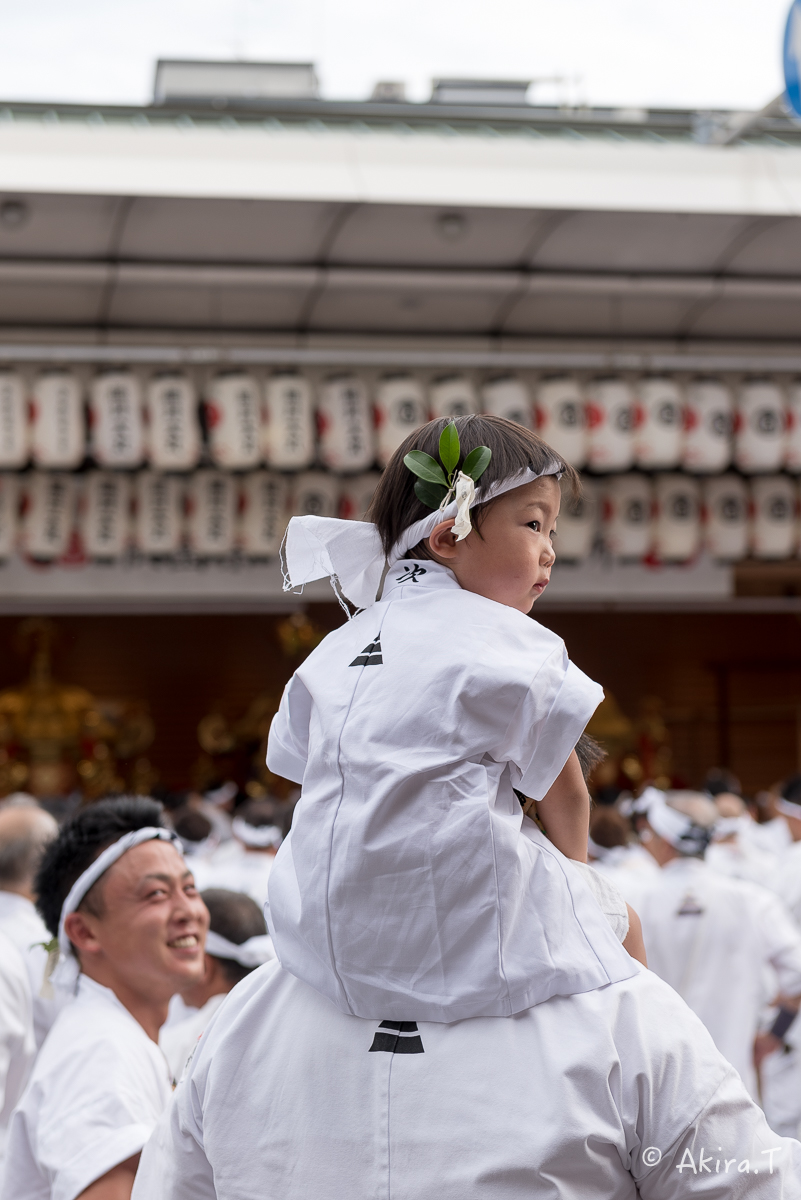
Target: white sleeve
781 939
727 1153
17 1046
549 722
173 1165
288 743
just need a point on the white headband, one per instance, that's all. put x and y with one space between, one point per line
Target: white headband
67 970
787 808
350 553
675 827
258 836
253 953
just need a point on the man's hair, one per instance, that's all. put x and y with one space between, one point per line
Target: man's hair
191 825
235 917
259 813
27 830
395 506
791 789
79 843
609 828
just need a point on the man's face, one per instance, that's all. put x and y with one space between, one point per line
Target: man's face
153 923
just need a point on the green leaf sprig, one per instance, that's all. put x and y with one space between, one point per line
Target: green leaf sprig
436 484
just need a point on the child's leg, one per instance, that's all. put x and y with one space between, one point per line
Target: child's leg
565 812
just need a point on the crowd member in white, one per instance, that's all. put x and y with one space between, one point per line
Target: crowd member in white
198 838
614 851
17 1043
244 863
237 942
786 878
25 831
716 940
116 891
734 849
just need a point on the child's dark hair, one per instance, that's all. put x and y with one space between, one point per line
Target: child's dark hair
514 448
77 846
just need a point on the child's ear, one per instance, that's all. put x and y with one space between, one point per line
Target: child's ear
441 540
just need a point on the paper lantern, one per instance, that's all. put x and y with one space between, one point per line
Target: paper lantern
115 420
453 396
708 423
577 524
106 514
58 436
792 434
356 495
158 527
561 419
610 423
627 504
313 493
173 427
14 433
509 398
264 512
48 514
658 424
774 517
9 502
345 425
233 416
400 408
677 518
726 517
211 512
288 435
759 428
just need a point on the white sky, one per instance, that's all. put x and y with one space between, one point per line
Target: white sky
690 53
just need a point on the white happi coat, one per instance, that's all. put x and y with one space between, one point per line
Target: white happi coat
97 1090
17 1044
724 945
598 1096
411 886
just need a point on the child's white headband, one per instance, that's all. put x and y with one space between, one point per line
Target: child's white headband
350 553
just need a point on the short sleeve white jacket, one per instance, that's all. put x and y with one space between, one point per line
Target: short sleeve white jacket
411 886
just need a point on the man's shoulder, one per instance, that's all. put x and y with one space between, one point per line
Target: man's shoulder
93 1033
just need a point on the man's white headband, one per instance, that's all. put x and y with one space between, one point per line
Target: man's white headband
257 836
350 553
684 834
787 808
66 973
253 953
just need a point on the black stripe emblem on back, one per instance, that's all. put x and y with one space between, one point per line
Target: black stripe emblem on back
370 655
398 1037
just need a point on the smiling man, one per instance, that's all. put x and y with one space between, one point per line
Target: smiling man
115 889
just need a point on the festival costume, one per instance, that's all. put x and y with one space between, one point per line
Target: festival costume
411 885
598 1096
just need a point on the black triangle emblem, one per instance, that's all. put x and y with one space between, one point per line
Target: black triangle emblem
398 1037
370 655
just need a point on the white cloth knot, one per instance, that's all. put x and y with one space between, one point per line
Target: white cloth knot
465 498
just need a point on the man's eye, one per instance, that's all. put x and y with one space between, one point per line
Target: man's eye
156 894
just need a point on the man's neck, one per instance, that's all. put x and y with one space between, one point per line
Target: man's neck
147 1012
18 889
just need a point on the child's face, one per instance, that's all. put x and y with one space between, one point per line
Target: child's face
512 558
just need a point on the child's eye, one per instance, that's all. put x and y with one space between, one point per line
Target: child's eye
535 525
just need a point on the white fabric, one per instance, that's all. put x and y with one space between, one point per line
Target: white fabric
608 898
17 1044
237 870
255 952
711 939
410 885
178 1039
257 836
283 1098
97 1090
773 835
787 808
624 866
66 973
740 856
22 925
350 553
785 879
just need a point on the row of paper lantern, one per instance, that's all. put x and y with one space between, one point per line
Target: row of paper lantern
607 425
102 515
673 517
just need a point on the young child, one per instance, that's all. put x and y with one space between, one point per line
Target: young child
412 886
